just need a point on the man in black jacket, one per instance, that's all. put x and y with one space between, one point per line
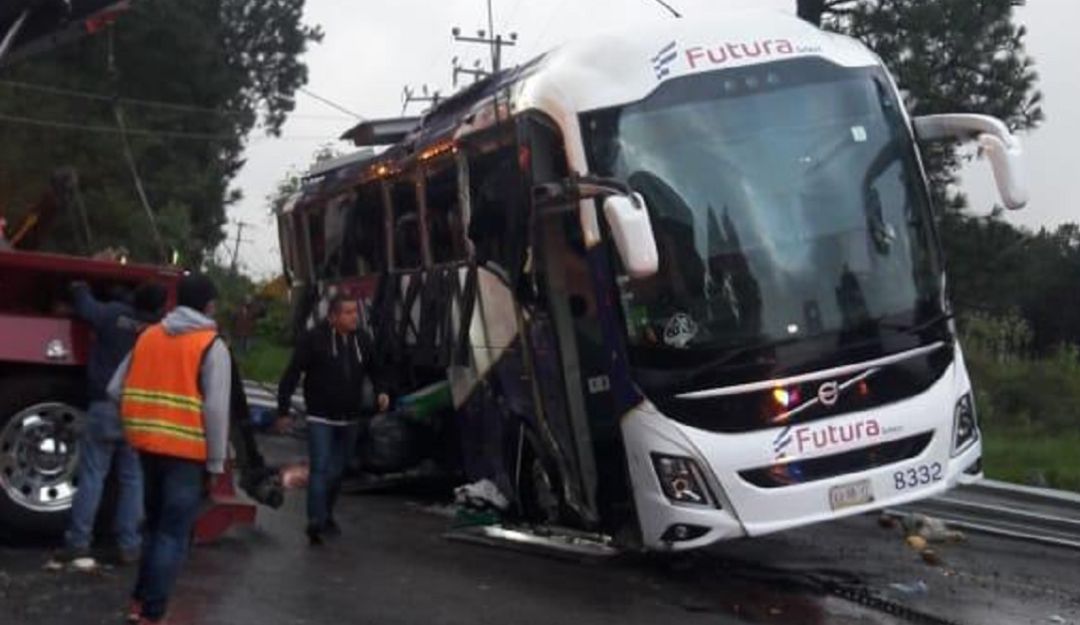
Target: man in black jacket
335 361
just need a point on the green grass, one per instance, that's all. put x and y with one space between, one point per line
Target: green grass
264 361
1016 454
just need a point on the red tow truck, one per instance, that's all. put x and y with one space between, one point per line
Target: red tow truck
43 348
43 354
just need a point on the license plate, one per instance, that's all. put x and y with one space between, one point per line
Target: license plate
848 495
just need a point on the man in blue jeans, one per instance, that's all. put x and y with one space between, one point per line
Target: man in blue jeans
116 325
337 364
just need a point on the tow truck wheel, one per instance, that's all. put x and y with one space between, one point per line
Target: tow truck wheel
39 433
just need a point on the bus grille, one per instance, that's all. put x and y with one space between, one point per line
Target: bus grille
825 467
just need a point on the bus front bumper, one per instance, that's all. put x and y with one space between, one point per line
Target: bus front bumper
693 488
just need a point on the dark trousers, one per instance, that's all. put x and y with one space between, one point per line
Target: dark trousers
173 491
329 450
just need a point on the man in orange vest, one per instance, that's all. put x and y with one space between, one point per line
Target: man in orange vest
174 392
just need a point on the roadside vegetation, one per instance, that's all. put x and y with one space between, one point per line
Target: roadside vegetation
254 318
1029 404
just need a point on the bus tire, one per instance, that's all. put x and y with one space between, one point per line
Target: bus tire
40 423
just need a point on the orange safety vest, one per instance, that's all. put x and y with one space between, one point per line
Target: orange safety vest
162 404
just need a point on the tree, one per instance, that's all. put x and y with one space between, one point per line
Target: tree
222 68
948 56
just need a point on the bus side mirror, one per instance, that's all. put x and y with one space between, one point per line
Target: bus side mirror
1003 148
628 218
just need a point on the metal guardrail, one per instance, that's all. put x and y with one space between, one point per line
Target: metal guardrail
265 396
1038 515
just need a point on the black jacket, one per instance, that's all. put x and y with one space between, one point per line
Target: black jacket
340 377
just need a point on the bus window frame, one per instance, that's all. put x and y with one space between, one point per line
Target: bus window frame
411 177
388 224
370 189
503 136
305 261
287 244
461 246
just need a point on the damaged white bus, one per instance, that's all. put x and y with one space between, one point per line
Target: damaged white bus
683 282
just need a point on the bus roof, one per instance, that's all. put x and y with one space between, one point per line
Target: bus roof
605 70
626 65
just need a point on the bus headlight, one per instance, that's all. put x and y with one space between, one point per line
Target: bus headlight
681 480
965 424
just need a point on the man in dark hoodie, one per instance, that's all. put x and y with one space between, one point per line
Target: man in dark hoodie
336 362
116 325
174 393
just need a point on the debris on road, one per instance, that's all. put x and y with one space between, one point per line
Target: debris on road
886 521
916 542
933 529
916 588
481 495
930 556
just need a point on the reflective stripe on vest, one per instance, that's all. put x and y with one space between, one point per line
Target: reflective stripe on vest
162 404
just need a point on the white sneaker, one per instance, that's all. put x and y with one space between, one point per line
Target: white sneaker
84 564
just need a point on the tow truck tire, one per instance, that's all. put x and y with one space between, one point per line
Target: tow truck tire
40 421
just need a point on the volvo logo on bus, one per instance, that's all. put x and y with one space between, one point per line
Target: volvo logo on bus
828 393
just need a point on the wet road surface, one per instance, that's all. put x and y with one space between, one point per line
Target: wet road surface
393 565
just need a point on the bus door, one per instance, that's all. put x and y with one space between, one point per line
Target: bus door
572 350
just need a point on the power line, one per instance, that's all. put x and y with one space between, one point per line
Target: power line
330 103
101 97
668 7
145 132
173 134
188 108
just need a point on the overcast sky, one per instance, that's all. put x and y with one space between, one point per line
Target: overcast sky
372 49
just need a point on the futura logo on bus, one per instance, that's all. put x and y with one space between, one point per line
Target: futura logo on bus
797 440
703 57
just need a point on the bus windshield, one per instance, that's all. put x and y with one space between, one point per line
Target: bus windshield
787 203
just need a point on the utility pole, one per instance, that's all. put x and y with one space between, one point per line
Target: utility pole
489 38
240 225
409 96
476 72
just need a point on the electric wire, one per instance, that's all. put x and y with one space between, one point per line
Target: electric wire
185 108
670 8
145 132
329 103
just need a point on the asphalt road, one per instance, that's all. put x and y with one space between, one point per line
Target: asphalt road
394 565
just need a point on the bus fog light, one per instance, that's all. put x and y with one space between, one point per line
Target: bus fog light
682 532
681 480
965 424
